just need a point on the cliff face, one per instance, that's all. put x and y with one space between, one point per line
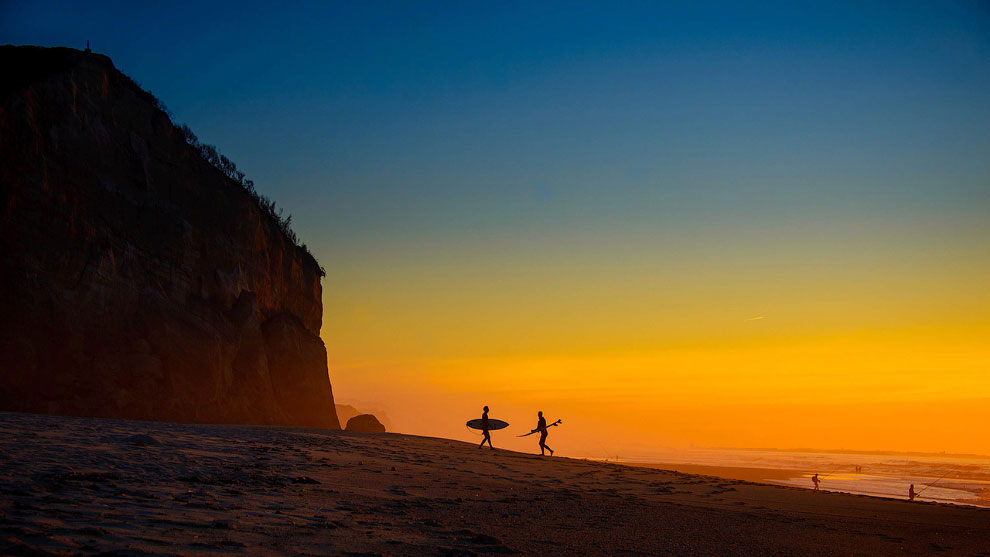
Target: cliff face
136 280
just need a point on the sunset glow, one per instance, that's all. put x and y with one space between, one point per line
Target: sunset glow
896 360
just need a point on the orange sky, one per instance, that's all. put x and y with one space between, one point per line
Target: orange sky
759 345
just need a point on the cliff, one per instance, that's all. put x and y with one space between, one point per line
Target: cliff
137 280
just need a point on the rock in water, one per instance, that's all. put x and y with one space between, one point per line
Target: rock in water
365 422
137 280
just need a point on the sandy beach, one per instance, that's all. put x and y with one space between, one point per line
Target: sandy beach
88 486
759 475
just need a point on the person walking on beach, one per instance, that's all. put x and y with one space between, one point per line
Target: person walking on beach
912 493
485 428
816 481
541 425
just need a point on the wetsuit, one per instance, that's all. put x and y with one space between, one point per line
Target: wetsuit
542 426
484 430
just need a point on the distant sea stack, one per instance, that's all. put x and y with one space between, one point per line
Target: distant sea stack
345 412
137 278
365 422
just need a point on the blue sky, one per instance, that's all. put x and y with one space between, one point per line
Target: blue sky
384 121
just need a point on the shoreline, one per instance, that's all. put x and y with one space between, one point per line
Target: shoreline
787 477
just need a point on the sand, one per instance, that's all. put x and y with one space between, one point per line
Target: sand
760 475
86 486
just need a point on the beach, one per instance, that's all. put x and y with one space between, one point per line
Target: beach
943 479
758 475
89 486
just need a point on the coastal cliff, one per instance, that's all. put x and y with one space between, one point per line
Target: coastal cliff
137 280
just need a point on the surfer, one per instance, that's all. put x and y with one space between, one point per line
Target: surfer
541 426
485 427
816 481
912 493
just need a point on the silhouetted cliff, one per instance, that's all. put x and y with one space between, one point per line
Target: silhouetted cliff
346 412
136 279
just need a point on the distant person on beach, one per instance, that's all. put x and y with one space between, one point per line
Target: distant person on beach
485 428
912 493
541 425
816 481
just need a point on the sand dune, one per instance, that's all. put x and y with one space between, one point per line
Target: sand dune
76 485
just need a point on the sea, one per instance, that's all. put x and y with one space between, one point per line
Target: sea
956 479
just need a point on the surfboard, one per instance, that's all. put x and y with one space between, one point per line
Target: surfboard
492 424
558 422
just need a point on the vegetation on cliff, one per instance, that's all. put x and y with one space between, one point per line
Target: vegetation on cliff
212 155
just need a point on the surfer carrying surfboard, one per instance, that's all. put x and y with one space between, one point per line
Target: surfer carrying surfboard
541 426
485 427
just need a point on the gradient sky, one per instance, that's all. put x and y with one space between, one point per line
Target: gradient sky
726 225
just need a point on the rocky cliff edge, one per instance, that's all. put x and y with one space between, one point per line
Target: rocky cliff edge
136 279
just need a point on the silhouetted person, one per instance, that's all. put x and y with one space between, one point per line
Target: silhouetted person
912 493
485 428
542 427
816 481
87 46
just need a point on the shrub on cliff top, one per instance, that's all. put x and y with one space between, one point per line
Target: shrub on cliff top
267 205
212 155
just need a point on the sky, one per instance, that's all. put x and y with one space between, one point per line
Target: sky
668 224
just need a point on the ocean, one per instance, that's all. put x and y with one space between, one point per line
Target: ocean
957 479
